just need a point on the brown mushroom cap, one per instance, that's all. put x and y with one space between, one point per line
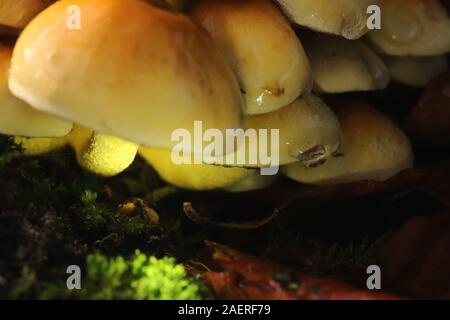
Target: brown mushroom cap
132 70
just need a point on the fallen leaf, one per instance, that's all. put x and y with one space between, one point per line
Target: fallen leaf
240 276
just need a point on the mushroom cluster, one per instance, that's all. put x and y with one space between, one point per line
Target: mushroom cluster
119 82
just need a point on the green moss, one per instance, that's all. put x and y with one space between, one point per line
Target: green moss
92 213
138 278
53 214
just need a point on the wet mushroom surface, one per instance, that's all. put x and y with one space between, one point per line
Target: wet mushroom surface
230 149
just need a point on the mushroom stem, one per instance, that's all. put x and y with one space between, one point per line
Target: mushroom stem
101 154
192 176
39 146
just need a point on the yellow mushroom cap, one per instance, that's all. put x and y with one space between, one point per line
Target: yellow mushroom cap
189 175
347 18
131 70
263 50
373 148
341 65
412 28
17 13
17 117
308 131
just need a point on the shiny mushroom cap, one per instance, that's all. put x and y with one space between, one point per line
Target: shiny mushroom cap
306 130
131 70
263 50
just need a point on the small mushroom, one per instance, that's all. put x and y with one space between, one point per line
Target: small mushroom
263 50
341 65
346 18
412 28
309 132
416 71
373 148
18 13
192 176
133 71
17 117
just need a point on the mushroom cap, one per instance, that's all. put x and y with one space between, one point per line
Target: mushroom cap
309 132
412 28
132 70
340 65
416 71
262 48
373 148
305 130
192 176
18 13
347 18
17 117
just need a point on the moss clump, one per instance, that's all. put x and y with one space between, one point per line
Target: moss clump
140 277
54 214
